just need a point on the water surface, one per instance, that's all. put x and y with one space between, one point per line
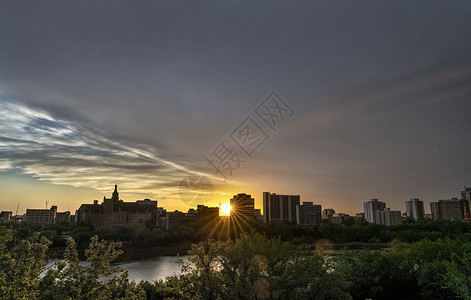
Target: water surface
151 269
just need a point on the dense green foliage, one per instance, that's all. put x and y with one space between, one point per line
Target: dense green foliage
251 266
364 232
24 273
255 267
348 233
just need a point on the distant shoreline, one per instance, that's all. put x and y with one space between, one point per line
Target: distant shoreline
131 252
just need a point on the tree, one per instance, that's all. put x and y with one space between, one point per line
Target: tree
21 264
70 279
458 274
255 267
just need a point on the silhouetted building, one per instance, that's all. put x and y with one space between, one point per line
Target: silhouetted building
242 207
47 216
338 218
466 197
41 216
388 217
453 209
113 212
279 208
202 214
5 216
258 215
360 217
64 217
176 218
308 214
207 214
17 219
466 194
161 217
370 207
415 209
328 213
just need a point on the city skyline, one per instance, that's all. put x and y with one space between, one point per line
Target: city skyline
374 101
225 207
239 213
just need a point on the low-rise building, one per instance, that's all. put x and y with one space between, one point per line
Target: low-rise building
6 216
202 215
328 213
360 217
41 216
65 217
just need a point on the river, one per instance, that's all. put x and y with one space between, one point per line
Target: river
160 267
151 269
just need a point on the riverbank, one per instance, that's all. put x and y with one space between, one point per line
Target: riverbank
139 252
132 252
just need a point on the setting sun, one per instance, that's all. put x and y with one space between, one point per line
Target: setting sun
226 209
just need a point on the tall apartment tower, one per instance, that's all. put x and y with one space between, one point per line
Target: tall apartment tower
387 217
454 209
415 209
370 207
279 208
466 194
308 214
242 206
466 198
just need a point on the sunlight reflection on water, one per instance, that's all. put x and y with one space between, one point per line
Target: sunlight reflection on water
151 269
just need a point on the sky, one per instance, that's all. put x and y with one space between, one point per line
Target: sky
192 102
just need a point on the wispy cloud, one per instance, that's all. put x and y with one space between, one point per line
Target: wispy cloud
64 152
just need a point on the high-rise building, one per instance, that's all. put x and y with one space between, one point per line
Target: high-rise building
415 209
466 197
387 217
370 207
453 209
279 208
242 207
308 214
466 194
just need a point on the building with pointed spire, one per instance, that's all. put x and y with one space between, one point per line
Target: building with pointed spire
113 212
